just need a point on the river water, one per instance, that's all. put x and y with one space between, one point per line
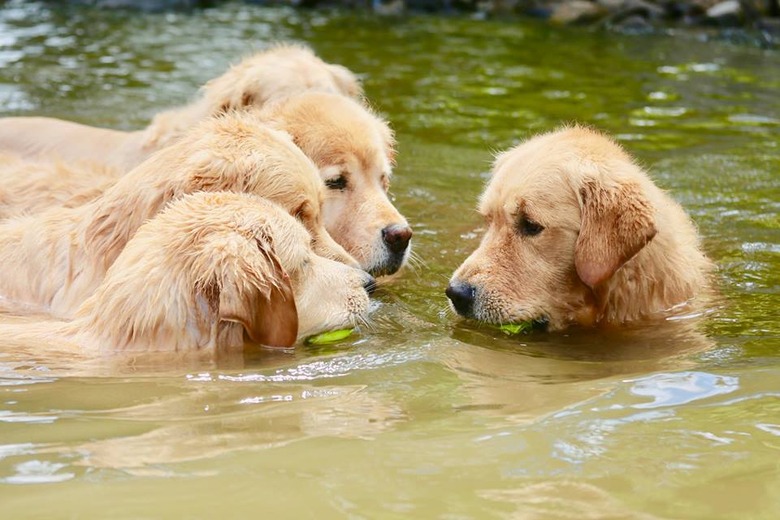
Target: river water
424 415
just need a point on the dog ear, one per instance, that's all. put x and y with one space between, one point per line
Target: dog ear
261 299
236 103
346 81
617 222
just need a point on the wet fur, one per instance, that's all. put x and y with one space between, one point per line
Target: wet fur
31 186
208 270
346 138
257 79
614 249
57 258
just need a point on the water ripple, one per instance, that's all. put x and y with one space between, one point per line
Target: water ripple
38 472
681 388
323 369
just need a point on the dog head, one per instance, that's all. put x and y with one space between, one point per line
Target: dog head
280 71
564 212
230 152
212 267
354 151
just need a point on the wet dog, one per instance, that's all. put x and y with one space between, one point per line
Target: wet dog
56 259
354 150
211 267
207 272
280 71
577 233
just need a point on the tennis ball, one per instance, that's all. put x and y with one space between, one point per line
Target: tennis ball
516 328
329 337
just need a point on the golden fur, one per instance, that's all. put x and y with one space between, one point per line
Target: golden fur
280 71
343 137
578 233
57 258
349 143
208 270
30 186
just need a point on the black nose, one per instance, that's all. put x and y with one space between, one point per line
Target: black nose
397 237
462 296
369 284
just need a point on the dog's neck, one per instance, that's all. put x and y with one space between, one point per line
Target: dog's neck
662 279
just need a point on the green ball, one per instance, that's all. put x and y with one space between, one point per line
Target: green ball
516 328
329 337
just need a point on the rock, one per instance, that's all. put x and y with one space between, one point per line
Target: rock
632 8
576 12
725 14
726 8
632 24
421 6
389 8
634 16
147 5
503 6
613 5
541 11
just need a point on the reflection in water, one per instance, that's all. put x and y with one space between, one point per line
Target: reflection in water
38 472
681 388
191 427
523 379
562 501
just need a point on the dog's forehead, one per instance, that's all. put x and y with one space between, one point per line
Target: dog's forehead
356 153
527 176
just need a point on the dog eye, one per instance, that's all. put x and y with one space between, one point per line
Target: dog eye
528 227
337 183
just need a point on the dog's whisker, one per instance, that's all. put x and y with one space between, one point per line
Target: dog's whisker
450 312
416 262
365 322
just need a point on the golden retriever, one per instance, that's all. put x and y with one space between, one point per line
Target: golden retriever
207 270
354 151
282 70
352 147
57 258
577 233
212 266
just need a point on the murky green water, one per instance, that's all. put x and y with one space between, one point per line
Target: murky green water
426 416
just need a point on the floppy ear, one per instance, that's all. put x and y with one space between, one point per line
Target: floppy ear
230 91
261 299
346 81
235 102
617 222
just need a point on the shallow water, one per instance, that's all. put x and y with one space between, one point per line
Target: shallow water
424 415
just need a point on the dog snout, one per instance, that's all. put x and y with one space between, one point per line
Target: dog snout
396 237
369 284
462 296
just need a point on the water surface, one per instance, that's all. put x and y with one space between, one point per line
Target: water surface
423 415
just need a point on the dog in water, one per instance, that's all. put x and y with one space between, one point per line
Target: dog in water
354 150
55 259
577 233
208 270
279 71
